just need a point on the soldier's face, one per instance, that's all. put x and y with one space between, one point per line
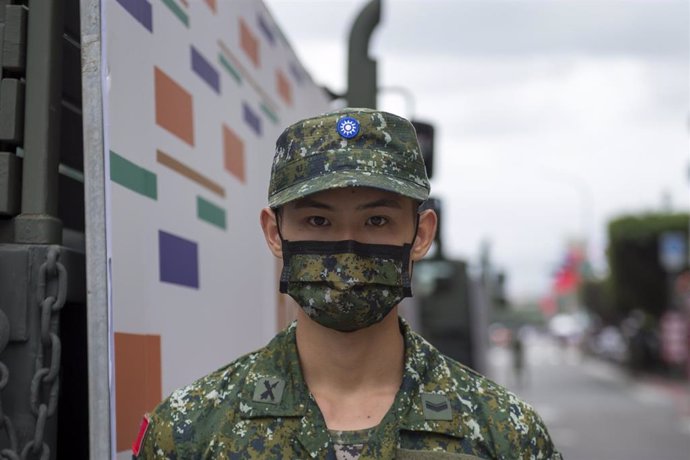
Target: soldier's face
362 214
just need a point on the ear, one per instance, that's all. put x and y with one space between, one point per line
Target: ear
269 225
426 231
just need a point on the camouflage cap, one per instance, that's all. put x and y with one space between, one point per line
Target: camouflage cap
348 148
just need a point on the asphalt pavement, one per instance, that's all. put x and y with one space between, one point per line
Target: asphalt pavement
593 409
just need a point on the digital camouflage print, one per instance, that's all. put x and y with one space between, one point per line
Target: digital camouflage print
314 155
259 407
345 285
348 445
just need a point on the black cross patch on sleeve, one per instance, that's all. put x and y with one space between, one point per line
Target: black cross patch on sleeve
268 390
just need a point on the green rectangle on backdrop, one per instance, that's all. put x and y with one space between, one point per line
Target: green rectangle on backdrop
132 176
211 213
269 113
177 11
231 70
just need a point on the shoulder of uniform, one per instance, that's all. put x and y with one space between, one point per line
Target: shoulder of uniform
484 391
178 421
191 414
218 387
513 424
500 415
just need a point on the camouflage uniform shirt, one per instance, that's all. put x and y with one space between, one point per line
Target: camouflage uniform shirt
260 407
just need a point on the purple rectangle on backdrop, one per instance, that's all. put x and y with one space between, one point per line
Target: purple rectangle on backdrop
205 70
251 118
178 260
140 10
296 72
265 29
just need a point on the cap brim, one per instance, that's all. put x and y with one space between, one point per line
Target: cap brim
342 179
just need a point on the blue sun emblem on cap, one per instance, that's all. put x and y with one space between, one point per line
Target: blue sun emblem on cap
348 127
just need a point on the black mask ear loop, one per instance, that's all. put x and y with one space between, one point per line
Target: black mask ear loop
285 273
276 214
407 274
416 228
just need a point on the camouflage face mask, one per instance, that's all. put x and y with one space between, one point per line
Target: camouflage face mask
345 285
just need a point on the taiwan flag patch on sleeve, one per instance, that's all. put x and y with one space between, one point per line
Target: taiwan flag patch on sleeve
136 447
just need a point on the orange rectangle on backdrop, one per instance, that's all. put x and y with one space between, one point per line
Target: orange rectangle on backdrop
212 4
233 149
137 383
174 107
284 88
249 43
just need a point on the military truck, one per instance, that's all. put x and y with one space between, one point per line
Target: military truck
135 139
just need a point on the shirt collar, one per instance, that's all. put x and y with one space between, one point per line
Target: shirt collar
426 372
277 362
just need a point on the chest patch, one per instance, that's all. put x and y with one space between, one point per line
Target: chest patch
436 407
269 390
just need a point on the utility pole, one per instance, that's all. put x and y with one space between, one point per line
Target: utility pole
361 69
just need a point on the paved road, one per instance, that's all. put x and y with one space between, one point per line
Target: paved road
594 411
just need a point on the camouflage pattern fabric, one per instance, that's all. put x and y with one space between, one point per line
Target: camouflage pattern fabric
312 156
259 407
345 285
348 445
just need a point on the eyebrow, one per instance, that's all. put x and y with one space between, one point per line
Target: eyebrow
311 203
382 203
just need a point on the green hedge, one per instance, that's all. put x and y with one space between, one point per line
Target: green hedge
637 279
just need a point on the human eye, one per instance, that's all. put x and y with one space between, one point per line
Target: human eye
377 221
318 221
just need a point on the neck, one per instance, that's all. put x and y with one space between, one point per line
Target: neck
336 362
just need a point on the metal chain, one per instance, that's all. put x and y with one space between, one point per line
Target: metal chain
45 384
9 453
5 422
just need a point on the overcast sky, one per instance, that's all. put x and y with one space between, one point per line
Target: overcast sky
552 116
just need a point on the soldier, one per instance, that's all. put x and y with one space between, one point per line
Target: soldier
348 379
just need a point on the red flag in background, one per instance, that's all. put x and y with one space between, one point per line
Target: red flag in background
568 275
566 280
